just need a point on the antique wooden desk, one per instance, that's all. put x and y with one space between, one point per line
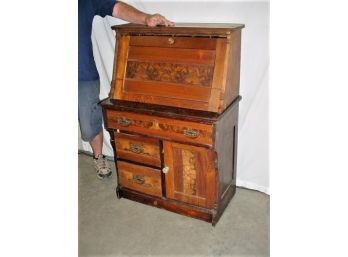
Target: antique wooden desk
172 115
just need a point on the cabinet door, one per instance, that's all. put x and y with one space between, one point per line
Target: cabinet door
189 174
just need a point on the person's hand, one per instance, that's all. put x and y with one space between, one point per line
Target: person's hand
157 19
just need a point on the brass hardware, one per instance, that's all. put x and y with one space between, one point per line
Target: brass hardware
165 169
138 179
171 41
136 148
191 133
123 121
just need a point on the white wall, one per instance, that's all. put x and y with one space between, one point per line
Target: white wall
253 152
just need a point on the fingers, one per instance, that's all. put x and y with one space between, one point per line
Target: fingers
157 19
163 21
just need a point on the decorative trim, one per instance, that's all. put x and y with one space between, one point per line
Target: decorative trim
171 72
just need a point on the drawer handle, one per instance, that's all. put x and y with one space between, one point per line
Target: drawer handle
136 148
165 169
138 179
171 41
123 121
192 133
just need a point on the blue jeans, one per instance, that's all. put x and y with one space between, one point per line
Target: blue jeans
90 112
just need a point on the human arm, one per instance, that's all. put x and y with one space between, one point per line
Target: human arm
128 13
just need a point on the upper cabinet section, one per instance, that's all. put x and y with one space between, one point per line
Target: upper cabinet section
194 66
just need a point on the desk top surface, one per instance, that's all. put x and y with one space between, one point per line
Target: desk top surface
180 28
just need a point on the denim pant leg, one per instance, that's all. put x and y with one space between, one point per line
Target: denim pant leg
90 113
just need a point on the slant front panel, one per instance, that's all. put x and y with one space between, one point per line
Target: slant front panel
168 69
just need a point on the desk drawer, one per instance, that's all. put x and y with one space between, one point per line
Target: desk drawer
140 178
170 129
138 149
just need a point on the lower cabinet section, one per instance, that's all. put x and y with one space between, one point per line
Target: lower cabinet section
180 174
189 171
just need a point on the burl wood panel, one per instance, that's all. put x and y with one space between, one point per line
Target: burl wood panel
138 149
191 177
140 178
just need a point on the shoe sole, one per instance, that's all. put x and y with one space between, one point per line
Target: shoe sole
103 176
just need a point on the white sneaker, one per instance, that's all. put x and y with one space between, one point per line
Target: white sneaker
101 166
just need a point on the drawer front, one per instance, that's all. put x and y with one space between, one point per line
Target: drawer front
138 149
170 129
139 178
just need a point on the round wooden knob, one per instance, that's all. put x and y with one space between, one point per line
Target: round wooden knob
171 40
165 169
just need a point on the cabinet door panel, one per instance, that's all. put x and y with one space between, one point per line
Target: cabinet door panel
191 176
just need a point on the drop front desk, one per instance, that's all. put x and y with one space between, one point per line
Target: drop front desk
172 114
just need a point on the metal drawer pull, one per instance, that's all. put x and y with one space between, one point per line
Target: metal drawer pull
165 169
138 179
171 41
123 121
191 133
136 148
